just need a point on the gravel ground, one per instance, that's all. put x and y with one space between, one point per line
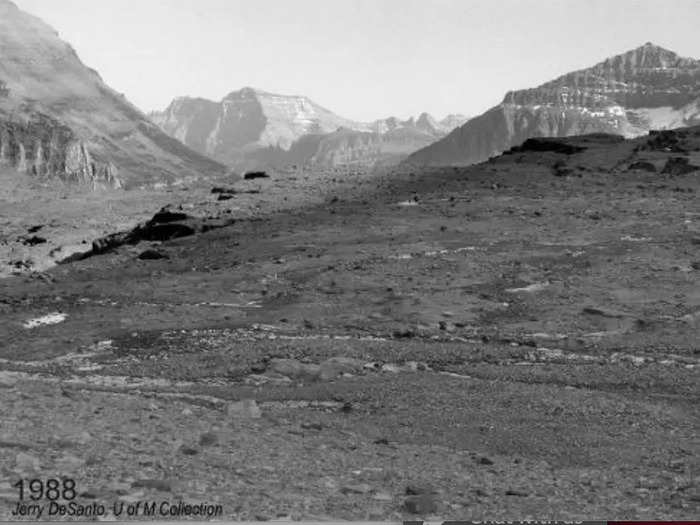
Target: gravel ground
492 341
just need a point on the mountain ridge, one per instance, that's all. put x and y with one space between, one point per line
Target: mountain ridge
629 94
252 127
59 119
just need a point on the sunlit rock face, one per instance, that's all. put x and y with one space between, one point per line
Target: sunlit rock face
252 127
59 119
45 148
629 94
244 122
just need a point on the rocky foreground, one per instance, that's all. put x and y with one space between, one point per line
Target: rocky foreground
515 339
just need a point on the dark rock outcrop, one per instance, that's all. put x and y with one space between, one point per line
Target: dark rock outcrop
664 140
252 175
165 216
152 255
642 165
678 166
163 226
34 240
548 144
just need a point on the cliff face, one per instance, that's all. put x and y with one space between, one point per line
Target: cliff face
45 148
58 118
385 142
646 77
245 123
629 94
253 128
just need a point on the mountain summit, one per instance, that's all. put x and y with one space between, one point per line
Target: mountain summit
254 128
245 121
646 88
58 118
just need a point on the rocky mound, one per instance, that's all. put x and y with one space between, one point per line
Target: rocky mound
163 226
646 88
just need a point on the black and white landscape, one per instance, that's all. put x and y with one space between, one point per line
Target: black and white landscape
255 303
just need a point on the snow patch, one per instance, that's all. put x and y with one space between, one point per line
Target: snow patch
536 287
631 238
48 319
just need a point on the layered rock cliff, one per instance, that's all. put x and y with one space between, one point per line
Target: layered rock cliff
45 148
629 94
245 123
59 119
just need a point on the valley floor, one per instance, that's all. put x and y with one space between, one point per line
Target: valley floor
488 342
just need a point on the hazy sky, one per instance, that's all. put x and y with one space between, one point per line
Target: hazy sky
363 59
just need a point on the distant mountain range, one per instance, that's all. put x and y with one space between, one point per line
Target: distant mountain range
254 128
629 94
59 119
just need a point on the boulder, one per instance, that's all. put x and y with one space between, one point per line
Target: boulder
7 382
244 409
208 439
549 144
152 255
416 489
161 232
108 242
161 485
295 369
421 504
220 189
604 312
165 216
34 240
69 253
251 175
693 319
69 464
678 166
337 366
360 488
664 140
642 165
27 463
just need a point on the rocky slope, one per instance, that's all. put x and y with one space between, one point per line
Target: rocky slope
629 94
517 338
58 118
254 128
382 142
246 122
